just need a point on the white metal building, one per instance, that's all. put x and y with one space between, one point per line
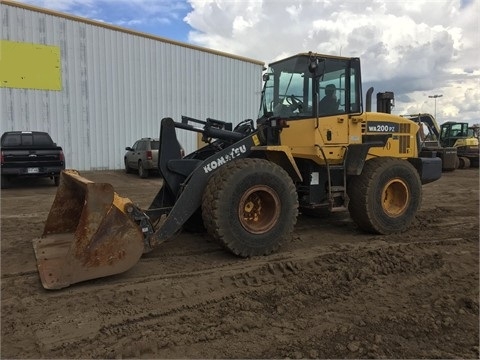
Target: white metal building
113 86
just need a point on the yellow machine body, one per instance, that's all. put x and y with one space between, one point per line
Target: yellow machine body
327 140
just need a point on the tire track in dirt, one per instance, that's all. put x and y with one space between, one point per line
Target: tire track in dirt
332 292
132 306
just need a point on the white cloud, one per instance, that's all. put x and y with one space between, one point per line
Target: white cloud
414 48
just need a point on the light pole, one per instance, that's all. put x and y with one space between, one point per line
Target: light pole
435 98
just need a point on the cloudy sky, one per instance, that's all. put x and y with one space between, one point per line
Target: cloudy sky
414 48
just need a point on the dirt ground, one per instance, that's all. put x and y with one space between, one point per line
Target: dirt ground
331 292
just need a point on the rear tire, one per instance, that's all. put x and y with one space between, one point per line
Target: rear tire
250 206
142 172
56 180
386 196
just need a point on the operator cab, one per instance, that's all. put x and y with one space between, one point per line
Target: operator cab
450 132
311 86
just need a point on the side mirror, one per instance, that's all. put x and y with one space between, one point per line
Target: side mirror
266 77
314 64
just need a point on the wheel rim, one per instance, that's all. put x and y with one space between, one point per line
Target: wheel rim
259 209
395 197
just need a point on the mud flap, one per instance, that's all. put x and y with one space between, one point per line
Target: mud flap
87 235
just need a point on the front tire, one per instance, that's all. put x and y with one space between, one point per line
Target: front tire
250 206
128 169
142 172
386 196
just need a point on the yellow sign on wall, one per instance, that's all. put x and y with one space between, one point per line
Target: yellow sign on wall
30 66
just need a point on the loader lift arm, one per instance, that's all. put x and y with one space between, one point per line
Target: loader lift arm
92 232
175 169
185 179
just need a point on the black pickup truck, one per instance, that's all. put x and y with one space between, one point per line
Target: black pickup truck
30 154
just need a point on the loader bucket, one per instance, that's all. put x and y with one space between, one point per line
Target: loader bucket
87 235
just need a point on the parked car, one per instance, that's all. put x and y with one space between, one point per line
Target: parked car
142 157
30 154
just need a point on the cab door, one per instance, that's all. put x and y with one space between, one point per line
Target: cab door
333 130
333 120
340 82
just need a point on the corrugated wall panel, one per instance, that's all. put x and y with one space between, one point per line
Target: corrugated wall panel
118 85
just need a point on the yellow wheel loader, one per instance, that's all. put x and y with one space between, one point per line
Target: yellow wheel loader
248 184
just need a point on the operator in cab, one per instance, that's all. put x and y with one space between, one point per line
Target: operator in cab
329 103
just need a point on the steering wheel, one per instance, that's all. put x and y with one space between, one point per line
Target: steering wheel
294 102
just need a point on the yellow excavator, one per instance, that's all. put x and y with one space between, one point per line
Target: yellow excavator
313 148
461 136
428 133
455 142
431 142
